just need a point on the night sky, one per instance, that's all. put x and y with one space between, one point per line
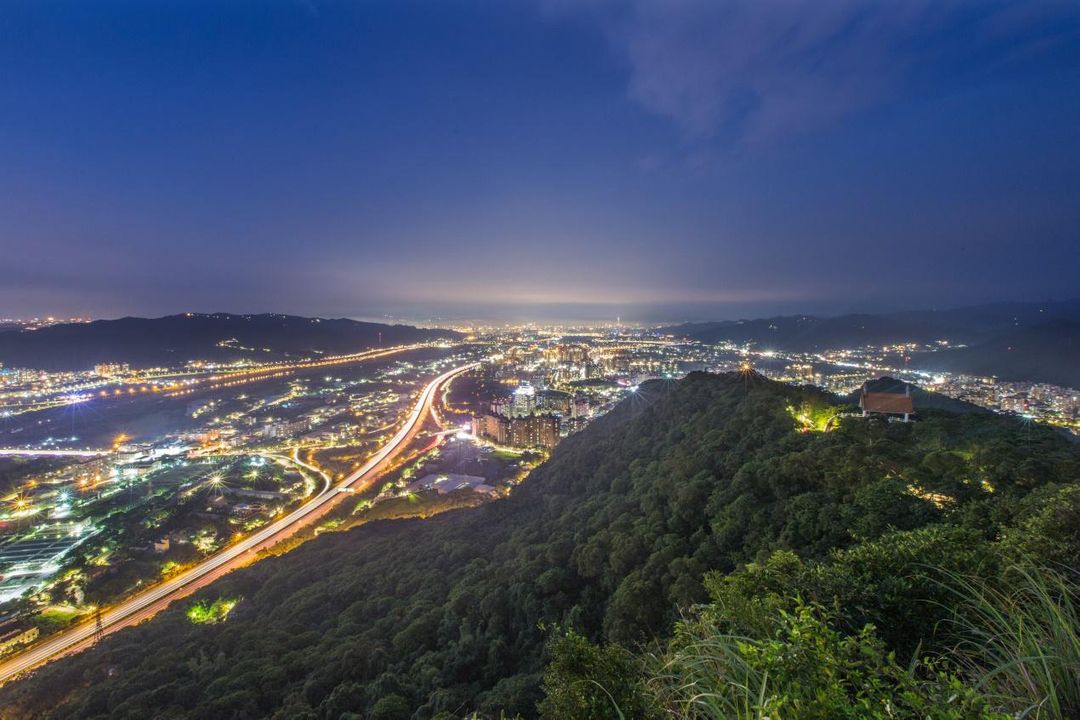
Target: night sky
655 160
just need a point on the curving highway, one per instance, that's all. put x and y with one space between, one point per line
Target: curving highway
151 601
54 453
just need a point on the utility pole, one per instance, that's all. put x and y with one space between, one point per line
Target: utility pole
99 627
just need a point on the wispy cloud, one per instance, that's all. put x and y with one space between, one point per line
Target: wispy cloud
756 70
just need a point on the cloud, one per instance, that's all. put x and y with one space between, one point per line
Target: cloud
758 70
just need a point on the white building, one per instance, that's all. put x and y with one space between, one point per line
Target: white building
524 402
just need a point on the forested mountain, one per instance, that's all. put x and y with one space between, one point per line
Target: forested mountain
1015 341
532 605
969 325
175 339
1043 353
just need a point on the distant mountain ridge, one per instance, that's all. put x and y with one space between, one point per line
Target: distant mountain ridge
1043 353
807 332
967 325
1015 341
175 339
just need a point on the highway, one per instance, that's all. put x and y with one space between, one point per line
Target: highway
54 453
13 402
151 601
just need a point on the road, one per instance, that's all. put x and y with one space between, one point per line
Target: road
181 383
54 453
151 601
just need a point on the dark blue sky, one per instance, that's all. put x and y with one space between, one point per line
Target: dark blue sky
655 160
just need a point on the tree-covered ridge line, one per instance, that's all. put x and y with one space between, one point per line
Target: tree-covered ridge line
173 340
611 538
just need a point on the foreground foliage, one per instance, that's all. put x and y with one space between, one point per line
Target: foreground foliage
786 638
807 670
1019 641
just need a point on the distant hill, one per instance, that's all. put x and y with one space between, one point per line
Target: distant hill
175 339
1015 341
807 333
994 317
1044 353
923 399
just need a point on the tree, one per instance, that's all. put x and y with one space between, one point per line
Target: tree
588 682
391 707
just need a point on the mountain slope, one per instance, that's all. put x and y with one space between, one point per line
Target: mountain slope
611 537
175 339
1044 353
807 333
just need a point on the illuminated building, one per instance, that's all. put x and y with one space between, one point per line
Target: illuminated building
492 427
534 431
501 406
282 429
886 397
574 354
111 369
524 402
541 431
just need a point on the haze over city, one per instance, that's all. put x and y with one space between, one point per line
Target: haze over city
578 160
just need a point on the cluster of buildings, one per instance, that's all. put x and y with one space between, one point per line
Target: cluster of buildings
320 413
1051 403
37 323
281 429
533 431
112 370
516 420
556 383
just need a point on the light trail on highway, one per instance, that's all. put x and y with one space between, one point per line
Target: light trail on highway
151 601
177 383
54 453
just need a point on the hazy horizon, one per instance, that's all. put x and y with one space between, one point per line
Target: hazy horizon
629 315
605 158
